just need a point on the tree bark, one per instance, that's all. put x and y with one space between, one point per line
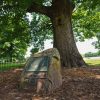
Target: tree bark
63 35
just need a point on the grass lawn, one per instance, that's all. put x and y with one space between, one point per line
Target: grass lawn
9 66
93 62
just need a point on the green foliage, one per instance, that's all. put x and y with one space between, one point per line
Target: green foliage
34 50
14 24
97 43
86 19
41 29
90 54
14 31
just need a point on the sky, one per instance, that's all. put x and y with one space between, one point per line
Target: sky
83 47
86 46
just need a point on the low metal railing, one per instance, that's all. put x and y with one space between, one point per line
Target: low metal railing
7 64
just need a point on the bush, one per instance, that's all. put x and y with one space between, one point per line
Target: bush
90 54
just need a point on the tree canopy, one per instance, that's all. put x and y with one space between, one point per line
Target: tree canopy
14 31
86 19
17 32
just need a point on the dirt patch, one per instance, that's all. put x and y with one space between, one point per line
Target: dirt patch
78 84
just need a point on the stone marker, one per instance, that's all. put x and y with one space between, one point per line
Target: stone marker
43 71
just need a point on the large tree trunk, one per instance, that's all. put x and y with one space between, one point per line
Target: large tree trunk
60 13
63 36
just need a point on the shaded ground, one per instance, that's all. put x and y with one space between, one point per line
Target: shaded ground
78 84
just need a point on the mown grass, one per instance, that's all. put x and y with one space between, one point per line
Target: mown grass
93 62
8 66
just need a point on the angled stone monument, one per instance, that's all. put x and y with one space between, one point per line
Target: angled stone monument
43 71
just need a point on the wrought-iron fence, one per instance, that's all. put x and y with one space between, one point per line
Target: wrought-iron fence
7 64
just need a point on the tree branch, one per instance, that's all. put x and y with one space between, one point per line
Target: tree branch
69 4
39 9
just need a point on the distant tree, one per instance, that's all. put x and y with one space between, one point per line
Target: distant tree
97 43
41 30
91 54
